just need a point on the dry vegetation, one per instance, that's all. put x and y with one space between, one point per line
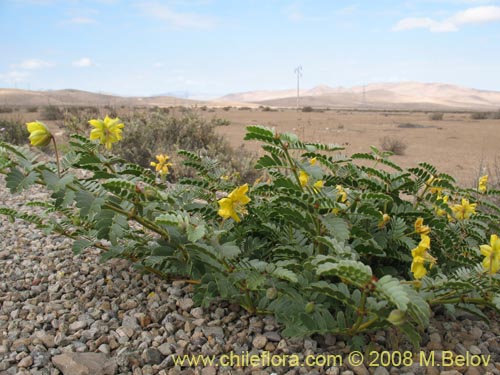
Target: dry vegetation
459 143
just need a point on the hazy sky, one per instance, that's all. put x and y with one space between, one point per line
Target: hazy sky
145 47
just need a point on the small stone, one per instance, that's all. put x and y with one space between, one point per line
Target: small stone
431 370
435 338
104 348
332 371
473 349
381 371
165 349
473 370
197 312
84 364
450 372
40 358
358 370
214 332
209 371
152 356
259 342
460 349
273 336
475 333
78 325
125 331
25 362
144 320
185 303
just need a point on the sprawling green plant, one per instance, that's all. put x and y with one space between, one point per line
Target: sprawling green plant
324 242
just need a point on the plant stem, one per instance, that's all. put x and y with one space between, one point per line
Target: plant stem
57 157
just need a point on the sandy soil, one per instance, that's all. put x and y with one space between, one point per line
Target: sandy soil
457 145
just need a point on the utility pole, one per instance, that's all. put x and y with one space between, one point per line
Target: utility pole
298 72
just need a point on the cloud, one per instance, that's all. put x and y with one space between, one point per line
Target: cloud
84 62
14 76
33 64
471 16
176 19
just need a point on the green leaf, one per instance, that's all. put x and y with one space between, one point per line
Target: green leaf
351 271
285 274
195 233
80 245
336 226
392 290
229 250
16 181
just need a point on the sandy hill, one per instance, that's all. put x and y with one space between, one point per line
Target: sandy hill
410 95
16 97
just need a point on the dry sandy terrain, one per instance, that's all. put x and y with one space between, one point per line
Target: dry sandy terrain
456 145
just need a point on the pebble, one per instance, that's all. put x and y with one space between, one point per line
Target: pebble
58 308
259 342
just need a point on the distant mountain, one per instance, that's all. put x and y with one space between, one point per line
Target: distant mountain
68 97
411 95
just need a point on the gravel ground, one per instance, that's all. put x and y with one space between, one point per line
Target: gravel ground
66 314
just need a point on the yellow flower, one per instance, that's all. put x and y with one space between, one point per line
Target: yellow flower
318 185
385 219
434 190
162 165
491 262
421 256
313 161
234 204
225 178
420 228
303 178
440 211
107 131
39 134
341 193
483 182
465 210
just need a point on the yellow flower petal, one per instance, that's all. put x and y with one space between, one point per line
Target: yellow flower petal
39 134
303 178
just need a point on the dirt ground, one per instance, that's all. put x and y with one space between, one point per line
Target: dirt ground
457 145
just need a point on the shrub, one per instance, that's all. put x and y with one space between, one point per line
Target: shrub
226 108
307 109
4 109
479 115
220 122
394 145
157 133
495 115
436 116
52 113
244 108
327 244
13 132
32 109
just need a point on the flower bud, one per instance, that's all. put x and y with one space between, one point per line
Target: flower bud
39 134
397 317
